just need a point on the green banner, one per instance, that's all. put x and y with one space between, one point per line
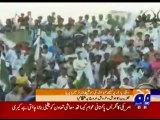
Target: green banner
18 36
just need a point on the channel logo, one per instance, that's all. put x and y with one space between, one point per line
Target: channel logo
142 98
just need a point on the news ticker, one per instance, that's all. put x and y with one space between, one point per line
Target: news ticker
92 103
96 95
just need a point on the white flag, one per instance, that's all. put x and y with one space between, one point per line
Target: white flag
37 44
37 51
56 67
7 41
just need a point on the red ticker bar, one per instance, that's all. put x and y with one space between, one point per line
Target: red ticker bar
73 110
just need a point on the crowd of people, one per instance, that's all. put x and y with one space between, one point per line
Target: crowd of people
106 53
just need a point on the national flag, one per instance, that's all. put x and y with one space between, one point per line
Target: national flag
82 83
37 50
37 44
34 56
4 75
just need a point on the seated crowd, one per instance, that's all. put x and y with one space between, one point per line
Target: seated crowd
112 53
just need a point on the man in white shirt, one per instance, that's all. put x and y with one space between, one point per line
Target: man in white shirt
122 68
155 35
105 48
46 54
49 84
87 24
60 26
93 28
101 22
103 36
14 95
133 76
141 29
80 48
94 21
97 49
17 62
126 84
30 19
68 32
10 54
49 37
62 79
81 65
117 42
129 25
131 52
123 37
96 68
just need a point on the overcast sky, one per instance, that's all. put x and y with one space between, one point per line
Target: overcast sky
8 10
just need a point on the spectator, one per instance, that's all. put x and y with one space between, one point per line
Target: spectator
22 79
14 95
48 84
126 84
105 66
108 84
96 69
152 53
122 68
156 64
63 78
111 76
22 21
87 24
46 54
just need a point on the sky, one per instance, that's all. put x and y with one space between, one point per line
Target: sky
8 10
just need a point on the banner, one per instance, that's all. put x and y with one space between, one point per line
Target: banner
18 36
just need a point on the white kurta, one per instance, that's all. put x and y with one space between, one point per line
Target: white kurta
62 81
81 66
48 56
96 67
122 70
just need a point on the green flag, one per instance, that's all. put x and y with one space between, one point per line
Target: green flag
4 75
82 83
29 65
